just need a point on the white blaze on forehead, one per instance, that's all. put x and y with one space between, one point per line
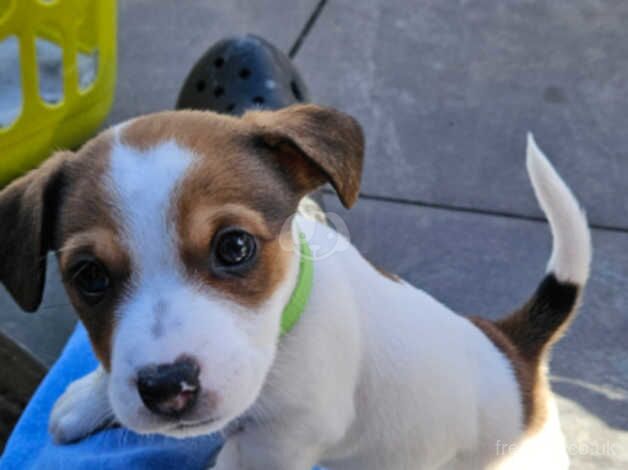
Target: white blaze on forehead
143 184
164 315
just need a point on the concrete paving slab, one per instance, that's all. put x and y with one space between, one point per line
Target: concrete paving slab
486 265
447 90
158 42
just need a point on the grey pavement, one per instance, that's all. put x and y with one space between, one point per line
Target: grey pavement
446 92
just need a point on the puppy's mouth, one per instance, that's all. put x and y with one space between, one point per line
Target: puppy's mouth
191 425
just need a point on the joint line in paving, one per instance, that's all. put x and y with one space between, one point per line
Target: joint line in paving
306 28
487 212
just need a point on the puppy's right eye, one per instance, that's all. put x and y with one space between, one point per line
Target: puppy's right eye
91 280
233 252
235 247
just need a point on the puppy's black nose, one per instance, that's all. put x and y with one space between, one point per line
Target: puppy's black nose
169 389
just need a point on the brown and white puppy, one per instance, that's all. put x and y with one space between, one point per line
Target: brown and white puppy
174 234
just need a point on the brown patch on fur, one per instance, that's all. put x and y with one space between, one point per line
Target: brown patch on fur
86 226
197 228
525 338
99 242
536 326
330 145
530 374
525 373
99 320
303 146
229 168
260 281
203 221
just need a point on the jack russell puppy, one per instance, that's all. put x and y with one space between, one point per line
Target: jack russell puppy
180 245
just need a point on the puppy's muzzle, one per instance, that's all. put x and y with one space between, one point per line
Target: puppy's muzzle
169 389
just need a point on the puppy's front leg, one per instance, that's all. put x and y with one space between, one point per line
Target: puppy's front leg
263 449
82 409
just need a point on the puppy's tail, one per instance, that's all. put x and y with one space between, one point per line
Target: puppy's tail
540 322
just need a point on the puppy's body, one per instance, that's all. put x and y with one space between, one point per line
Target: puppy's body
147 220
378 374
384 376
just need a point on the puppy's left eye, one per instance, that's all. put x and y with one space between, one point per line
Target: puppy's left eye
234 247
92 281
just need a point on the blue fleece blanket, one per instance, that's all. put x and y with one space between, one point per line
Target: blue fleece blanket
30 446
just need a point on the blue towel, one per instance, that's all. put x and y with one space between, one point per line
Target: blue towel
30 445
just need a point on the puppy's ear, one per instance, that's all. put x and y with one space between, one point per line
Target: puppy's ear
314 145
28 209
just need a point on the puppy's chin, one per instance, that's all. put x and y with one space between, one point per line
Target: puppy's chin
144 424
183 430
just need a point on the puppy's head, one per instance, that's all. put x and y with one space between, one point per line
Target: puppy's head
168 231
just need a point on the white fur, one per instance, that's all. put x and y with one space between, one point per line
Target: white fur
571 255
375 375
82 409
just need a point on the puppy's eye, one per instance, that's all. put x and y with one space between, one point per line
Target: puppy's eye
92 281
234 247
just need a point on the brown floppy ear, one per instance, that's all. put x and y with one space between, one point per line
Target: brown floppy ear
28 209
314 145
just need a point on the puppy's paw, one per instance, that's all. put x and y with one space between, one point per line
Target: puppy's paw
82 409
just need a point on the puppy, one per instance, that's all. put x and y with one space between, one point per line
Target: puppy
179 247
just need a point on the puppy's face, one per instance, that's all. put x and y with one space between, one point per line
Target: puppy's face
171 237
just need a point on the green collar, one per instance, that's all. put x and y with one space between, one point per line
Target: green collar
301 293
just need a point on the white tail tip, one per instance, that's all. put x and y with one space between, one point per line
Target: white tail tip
571 252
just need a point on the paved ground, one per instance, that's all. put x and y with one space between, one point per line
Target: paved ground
446 92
